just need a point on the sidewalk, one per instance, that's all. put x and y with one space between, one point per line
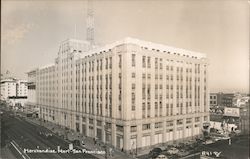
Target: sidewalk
89 143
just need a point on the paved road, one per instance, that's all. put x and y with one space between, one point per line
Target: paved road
25 135
239 148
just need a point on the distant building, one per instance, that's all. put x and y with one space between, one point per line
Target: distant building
31 104
16 101
241 101
221 99
14 91
8 88
21 88
244 118
131 94
213 99
225 99
237 117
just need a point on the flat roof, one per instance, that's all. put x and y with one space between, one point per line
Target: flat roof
149 46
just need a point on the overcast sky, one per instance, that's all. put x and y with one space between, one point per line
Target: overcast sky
32 30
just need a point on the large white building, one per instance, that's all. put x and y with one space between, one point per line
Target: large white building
8 88
132 94
11 87
14 91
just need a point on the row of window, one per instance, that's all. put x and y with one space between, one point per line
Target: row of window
160 124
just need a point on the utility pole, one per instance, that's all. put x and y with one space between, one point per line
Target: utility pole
90 23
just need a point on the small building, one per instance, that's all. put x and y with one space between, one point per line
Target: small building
16 101
12 89
8 88
213 99
221 99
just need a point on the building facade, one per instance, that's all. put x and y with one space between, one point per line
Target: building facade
32 104
244 118
14 92
21 88
213 99
11 87
8 88
131 94
225 99
222 99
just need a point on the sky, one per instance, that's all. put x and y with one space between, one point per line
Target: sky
31 31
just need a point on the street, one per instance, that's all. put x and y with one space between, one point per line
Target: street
21 135
239 148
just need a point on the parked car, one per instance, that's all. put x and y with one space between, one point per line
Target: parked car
182 153
173 151
155 152
161 157
76 143
209 141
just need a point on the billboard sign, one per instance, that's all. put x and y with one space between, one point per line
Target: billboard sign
234 112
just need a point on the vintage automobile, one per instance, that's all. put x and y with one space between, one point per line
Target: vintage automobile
155 152
173 151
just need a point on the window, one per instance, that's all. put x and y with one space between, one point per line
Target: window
158 125
149 76
91 121
100 64
133 60
143 106
93 66
120 61
133 75
161 64
156 76
156 63
189 120
197 119
119 128
77 117
180 122
99 123
144 61
106 66
205 118
133 101
133 128
149 62
133 86
167 67
145 126
108 125
110 62
143 91
169 123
